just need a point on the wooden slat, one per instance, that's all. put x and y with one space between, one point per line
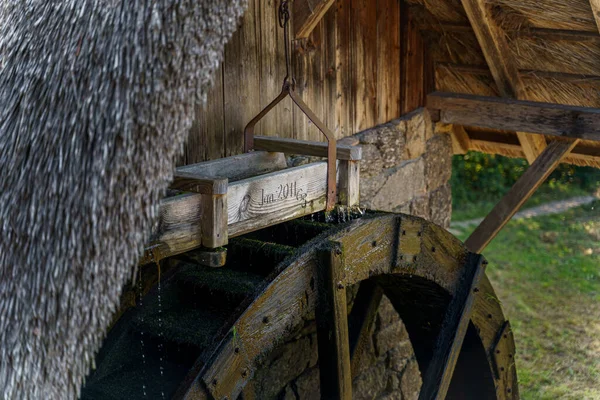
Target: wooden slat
332 327
317 149
238 167
206 140
307 14
450 339
596 10
514 115
388 60
495 48
345 94
363 36
531 180
241 100
412 73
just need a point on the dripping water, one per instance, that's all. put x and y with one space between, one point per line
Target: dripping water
160 330
140 304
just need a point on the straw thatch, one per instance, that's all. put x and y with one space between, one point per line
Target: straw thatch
96 98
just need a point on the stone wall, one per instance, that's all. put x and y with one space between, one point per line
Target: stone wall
406 168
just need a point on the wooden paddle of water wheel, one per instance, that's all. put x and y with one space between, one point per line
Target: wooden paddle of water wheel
199 332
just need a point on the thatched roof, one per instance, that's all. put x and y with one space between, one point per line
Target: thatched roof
554 45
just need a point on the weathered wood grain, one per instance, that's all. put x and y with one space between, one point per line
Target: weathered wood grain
332 326
449 343
412 71
349 183
307 14
214 220
514 115
529 182
304 147
363 46
461 142
188 182
273 198
237 167
388 60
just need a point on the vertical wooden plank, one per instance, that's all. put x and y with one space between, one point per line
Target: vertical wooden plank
349 172
214 220
345 91
450 339
412 61
364 60
332 326
272 71
241 80
388 60
308 60
207 138
329 48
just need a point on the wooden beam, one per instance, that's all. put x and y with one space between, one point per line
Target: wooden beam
461 143
307 14
307 148
450 339
332 326
514 115
496 50
596 10
531 180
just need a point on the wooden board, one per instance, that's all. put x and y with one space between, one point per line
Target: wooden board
332 327
449 343
514 115
273 198
238 167
307 148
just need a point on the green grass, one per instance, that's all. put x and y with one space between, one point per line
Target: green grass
546 271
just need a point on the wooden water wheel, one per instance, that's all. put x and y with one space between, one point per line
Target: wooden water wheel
203 334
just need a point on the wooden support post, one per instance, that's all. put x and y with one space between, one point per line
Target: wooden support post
332 326
349 183
495 48
214 220
449 342
461 143
361 320
531 180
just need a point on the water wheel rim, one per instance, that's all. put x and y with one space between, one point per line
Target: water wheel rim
376 248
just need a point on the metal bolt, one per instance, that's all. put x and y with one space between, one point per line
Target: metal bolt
338 251
266 320
340 285
236 350
476 290
244 373
374 243
214 382
497 351
433 249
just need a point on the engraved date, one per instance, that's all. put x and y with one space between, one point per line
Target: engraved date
284 192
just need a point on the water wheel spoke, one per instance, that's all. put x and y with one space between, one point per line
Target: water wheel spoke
332 327
361 320
450 339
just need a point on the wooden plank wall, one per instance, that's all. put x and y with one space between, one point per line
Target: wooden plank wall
347 71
